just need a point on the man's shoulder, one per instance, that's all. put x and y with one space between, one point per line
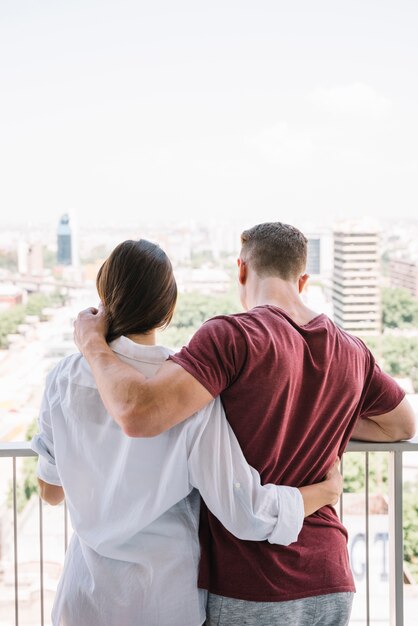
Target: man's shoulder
225 324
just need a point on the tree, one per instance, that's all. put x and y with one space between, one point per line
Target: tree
354 482
192 310
399 309
8 260
9 321
400 357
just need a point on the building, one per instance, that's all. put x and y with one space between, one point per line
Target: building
319 262
10 296
64 241
356 278
403 274
313 262
30 257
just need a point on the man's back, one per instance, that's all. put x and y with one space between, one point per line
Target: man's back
292 394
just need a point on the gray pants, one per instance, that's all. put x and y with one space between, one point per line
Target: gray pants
329 610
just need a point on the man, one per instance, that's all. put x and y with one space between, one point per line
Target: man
295 388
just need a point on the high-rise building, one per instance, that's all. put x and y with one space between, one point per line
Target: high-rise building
319 261
64 235
356 279
313 262
30 256
403 274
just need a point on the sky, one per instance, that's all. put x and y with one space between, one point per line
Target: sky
256 110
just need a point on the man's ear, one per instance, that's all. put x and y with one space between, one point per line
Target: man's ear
302 282
242 271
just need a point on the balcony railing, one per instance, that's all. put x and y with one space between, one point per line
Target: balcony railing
10 570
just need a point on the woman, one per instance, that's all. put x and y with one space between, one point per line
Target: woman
134 554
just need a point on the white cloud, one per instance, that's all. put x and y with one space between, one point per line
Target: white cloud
357 100
284 145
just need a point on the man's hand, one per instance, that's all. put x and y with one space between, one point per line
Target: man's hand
90 326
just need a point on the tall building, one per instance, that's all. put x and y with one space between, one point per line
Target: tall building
313 262
320 253
404 274
356 279
64 236
30 257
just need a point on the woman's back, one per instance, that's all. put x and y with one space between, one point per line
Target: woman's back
134 556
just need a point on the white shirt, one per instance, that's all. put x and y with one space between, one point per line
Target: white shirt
134 555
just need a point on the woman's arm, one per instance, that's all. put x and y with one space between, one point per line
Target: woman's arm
326 492
52 494
49 482
232 490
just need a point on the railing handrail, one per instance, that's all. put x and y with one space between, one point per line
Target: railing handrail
22 448
396 446
16 448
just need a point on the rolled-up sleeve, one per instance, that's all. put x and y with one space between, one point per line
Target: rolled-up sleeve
43 441
232 489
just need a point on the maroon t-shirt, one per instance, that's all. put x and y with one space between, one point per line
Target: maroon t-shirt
292 395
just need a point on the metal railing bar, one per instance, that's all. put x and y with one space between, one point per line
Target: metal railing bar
16 567
41 559
395 539
16 448
370 446
366 496
22 448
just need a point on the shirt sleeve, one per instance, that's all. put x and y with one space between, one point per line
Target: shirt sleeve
43 442
231 488
382 393
215 355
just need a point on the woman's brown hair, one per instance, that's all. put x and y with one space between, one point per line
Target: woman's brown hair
137 288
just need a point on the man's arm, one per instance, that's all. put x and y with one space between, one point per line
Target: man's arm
142 407
396 425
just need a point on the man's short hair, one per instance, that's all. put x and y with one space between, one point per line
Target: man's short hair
275 249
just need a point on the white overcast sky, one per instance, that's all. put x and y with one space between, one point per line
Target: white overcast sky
269 109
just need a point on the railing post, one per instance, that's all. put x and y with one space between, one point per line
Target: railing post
16 566
395 538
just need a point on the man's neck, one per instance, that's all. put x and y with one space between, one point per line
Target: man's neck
283 295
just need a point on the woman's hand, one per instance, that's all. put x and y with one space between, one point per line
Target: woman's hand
326 492
334 483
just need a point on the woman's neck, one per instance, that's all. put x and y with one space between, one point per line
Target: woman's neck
146 339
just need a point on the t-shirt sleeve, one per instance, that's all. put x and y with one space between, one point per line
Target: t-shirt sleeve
215 355
382 394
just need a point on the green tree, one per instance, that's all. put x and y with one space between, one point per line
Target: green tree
9 321
354 482
410 526
354 472
8 260
399 309
192 310
400 357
